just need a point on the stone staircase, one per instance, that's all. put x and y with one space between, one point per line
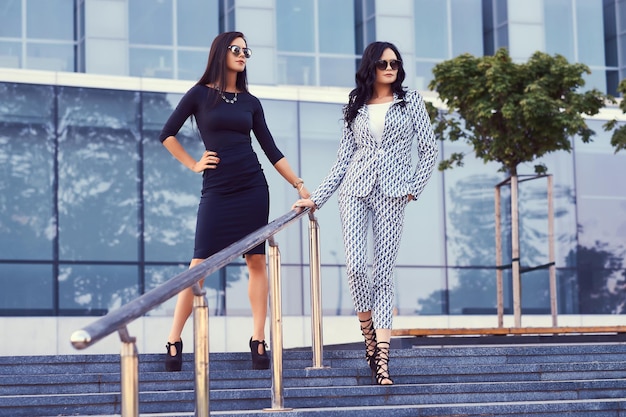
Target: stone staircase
512 379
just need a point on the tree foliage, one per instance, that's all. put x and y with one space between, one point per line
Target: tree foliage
618 140
513 113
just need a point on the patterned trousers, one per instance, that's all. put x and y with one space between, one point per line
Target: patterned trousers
387 218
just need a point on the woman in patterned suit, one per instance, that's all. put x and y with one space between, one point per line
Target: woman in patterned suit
376 179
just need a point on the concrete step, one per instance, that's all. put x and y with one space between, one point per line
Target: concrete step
575 379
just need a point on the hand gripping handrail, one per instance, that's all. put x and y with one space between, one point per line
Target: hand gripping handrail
118 319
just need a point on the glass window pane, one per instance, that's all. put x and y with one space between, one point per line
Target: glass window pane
50 57
601 205
533 211
191 64
297 70
10 54
467 28
213 284
171 191
154 63
237 302
559 27
470 212
27 225
590 26
11 19
320 132
472 290
420 291
431 29
98 178
337 72
27 288
295 31
193 15
150 22
50 19
335 35
423 74
96 289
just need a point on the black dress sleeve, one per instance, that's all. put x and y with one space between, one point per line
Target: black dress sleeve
185 108
263 135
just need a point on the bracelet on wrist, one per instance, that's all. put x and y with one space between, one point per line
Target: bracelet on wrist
299 182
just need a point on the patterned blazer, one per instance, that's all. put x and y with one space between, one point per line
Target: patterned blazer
361 160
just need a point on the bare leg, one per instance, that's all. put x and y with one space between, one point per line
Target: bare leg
258 290
182 311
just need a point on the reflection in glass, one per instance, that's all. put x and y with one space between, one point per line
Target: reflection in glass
213 285
237 301
27 224
96 289
27 288
421 291
98 178
171 191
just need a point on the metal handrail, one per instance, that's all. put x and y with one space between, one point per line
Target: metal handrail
119 318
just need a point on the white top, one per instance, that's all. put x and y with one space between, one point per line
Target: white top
377 114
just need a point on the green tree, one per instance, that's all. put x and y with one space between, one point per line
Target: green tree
618 140
513 113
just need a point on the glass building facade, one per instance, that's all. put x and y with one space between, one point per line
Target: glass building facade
94 211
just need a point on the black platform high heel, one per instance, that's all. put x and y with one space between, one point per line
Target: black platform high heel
174 362
368 332
259 360
382 364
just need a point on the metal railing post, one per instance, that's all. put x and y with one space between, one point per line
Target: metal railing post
129 375
201 350
276 328
551 253
499 283
316 293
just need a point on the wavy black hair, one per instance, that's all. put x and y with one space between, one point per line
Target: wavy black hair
366 76
215 72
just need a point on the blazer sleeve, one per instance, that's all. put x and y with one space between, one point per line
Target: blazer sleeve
334 177
427 148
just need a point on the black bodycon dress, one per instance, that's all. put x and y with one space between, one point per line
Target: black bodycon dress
235 197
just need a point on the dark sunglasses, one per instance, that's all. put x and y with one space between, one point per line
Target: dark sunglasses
236 49
381 64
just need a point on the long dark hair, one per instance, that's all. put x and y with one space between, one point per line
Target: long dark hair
366 76
215 72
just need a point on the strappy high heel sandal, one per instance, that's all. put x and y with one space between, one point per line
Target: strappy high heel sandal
259 360
382 364
368 332
174 362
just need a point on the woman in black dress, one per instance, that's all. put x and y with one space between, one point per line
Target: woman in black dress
235 197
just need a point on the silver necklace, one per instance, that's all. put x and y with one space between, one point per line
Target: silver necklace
229 101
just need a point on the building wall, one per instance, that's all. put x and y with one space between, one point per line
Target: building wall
93 211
